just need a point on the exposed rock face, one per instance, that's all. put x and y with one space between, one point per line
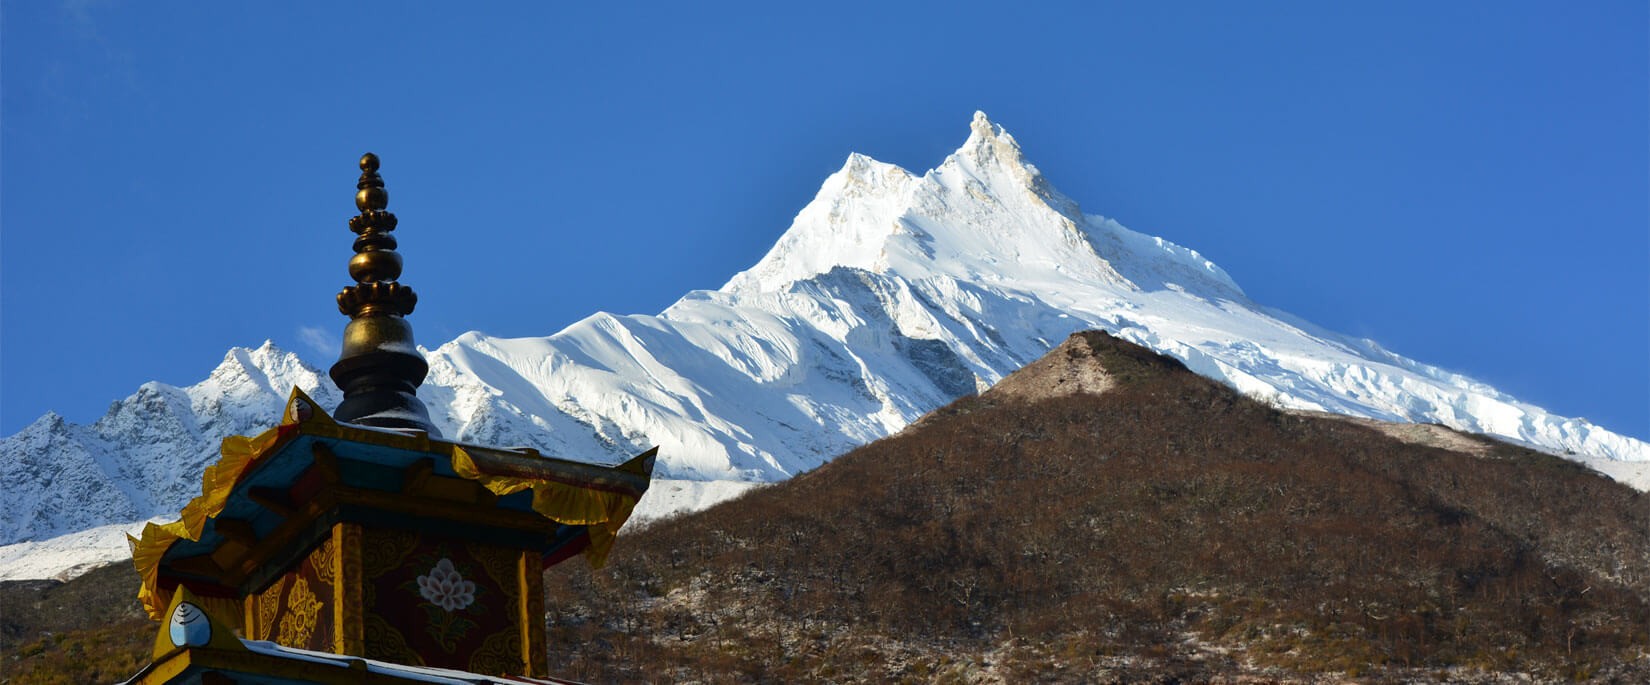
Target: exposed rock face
1065 370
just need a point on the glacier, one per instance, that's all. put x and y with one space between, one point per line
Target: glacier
889 295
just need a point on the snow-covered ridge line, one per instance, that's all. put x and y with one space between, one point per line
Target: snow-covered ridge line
890 294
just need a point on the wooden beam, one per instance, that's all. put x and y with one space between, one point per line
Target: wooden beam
325 461
236 530
296 524
459 506
272 499
447 510
416 473
198 565
452 489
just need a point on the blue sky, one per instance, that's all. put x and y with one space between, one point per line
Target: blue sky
1466 183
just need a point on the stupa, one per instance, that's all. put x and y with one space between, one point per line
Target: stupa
362 546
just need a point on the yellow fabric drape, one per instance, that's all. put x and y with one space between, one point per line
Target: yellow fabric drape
237 453
602 512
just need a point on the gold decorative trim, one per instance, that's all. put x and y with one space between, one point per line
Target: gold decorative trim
164 670
385 549
497 655
269 607
248 618
350 636
388 643
565 492
534 651
302 611
324 559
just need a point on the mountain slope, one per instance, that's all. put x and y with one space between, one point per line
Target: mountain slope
1102 515
1106 516
891 294
145 456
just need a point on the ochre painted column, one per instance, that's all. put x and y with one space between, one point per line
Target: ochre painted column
349 631
530 570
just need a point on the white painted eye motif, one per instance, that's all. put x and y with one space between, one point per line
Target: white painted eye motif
301 411
190 627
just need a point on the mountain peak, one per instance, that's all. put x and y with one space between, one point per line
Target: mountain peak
982 209
51 420
990 145
982 129
860 171
981 121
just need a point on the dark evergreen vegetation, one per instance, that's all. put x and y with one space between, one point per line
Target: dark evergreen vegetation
1168 530
89 630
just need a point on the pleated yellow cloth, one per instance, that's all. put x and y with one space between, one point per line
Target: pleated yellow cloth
574 501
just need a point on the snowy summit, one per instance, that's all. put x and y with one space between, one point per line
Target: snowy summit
890 295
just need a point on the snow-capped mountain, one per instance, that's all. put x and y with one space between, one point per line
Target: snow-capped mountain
145 456
891 294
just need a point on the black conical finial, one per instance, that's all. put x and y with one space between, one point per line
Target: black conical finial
380 367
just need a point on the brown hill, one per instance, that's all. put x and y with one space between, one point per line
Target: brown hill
1106 516
88 630
1165 529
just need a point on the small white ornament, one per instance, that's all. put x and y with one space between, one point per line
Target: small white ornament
445 588
190 627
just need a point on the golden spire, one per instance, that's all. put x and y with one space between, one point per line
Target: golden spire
380 367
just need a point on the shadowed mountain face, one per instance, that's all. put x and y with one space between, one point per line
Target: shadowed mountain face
1103 515
1165 528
